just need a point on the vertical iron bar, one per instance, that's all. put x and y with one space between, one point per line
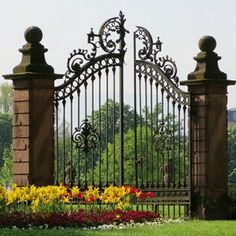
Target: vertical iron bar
146 129
157 128
135 117
163 151
151 130
122 51
141 126
71 142
86 116
173 147
107 126
190 174
86 100
184 144
100 127
114 125
57 143
179 210
168 151
64 139
179 144
168 207
121 87
78 151
93 78
174 213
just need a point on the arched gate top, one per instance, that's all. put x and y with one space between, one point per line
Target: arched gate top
87 63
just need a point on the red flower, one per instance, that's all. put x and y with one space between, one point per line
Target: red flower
91 199
150 194
134 190
142 195
80 195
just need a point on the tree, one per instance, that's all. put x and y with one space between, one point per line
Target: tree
104 161
5 118
150 162
232 154
107 118
6 171
6 133
5 98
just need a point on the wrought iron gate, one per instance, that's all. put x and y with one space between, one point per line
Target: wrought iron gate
90 81
101 141
161 126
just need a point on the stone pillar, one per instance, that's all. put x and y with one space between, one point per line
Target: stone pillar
32 137
208 134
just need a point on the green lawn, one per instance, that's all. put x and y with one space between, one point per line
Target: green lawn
190 228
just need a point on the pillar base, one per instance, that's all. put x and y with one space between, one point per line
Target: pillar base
221 209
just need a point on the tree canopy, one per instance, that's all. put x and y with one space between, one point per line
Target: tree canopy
5 132
5 98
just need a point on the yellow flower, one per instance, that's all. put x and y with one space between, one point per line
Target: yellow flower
14 187
91 194
122 205
11 197
75 191
66 199
34 205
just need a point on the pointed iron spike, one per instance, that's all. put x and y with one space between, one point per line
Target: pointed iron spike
121 15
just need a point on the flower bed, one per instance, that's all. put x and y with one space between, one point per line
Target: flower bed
67 207
78 219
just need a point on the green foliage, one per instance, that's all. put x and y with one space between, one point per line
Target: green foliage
107 119
5 117
104 162
232 176
232 154
6 133
62 151
6 171
150 169
5 98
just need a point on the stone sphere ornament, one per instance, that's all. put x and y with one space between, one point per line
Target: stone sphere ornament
207 43
33 34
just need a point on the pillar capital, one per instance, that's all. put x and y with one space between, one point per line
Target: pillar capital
207 72
33 59
207 61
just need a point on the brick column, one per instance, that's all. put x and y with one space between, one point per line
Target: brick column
208 133
33 83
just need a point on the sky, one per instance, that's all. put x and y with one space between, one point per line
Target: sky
65 23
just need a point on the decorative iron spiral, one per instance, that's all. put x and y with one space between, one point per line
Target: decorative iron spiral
150 50
163 139
86 137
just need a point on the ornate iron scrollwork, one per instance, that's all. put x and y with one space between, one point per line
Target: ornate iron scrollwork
163 139
83 63
150 51
104 40
86 137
